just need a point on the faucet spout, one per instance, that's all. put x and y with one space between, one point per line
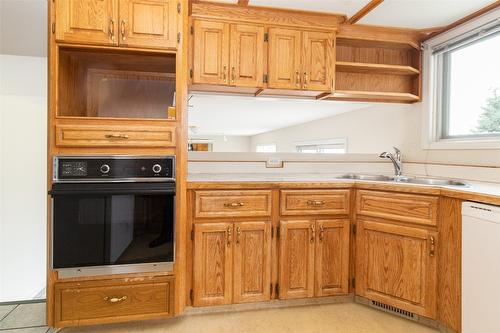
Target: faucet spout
396 160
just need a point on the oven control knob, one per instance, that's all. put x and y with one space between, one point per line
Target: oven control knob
156 168
105 168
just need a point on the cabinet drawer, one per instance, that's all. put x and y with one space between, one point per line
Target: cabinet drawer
410 208
92 302
114 136
304 202
233 203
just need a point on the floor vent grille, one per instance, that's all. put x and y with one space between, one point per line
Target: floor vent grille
394 310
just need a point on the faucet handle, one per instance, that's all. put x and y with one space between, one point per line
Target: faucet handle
398 153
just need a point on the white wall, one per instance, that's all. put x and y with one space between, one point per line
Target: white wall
227 143
369 130
23 174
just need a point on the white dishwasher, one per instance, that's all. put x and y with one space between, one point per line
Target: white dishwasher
480 268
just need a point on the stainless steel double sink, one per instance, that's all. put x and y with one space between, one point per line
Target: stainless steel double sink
405 180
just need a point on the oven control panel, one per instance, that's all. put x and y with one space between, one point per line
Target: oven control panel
113 168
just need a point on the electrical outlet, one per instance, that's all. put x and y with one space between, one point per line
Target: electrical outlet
274 162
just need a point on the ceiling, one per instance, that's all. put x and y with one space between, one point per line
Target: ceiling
416 14
239 115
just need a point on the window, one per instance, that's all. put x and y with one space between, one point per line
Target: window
467 86
331 146
266 148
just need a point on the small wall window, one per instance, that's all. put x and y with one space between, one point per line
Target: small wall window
330 146
266 148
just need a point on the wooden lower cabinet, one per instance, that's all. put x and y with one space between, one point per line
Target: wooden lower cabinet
313 258
232 262
114 300
396 265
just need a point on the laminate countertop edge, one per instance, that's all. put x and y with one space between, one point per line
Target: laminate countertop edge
483 192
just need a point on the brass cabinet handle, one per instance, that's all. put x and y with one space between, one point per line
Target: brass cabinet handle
116 136
114 300
111 29
122 30
432 250
313 233
316 202
305 79
297 79
321 232
224 74
229 232
233 75
238 234
234 204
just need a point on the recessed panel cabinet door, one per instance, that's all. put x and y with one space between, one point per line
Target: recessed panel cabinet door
212 267
284 64
317 63
296 259
246 55
87 21
396 265
252 262
211 52
332 257
148 23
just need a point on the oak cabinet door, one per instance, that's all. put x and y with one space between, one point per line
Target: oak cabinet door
396 265
332 257
148 23
284 63
252 262
212 269
247 55
211 52
318 63
296 259
87 21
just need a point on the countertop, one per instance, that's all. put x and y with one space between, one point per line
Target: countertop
475 191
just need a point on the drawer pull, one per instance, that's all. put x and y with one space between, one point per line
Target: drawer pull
234 204
316 202
115 299
116 136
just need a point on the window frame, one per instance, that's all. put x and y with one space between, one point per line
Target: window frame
266 145
319 143
434 90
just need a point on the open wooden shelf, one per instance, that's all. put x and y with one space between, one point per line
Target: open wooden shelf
368 68
374 95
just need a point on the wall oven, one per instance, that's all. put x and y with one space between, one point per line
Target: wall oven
113 215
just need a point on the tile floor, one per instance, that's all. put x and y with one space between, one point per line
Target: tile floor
335 318
23 318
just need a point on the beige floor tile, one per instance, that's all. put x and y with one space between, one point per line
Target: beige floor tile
25 315
28 330
335 318
5 310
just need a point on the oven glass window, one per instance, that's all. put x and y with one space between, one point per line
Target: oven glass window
93 230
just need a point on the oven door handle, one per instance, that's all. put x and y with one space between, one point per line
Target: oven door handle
63 189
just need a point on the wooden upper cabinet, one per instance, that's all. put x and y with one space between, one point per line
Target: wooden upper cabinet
332 257
318 61
252 262
396 265
213 264
296 259
284 63
87 21
211 52
148 23
246 55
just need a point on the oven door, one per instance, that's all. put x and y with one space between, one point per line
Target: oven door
112 224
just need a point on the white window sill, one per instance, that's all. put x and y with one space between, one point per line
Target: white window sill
470 144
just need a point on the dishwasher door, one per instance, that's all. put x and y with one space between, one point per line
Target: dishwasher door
480 268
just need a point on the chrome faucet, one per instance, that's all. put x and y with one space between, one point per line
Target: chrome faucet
395 159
